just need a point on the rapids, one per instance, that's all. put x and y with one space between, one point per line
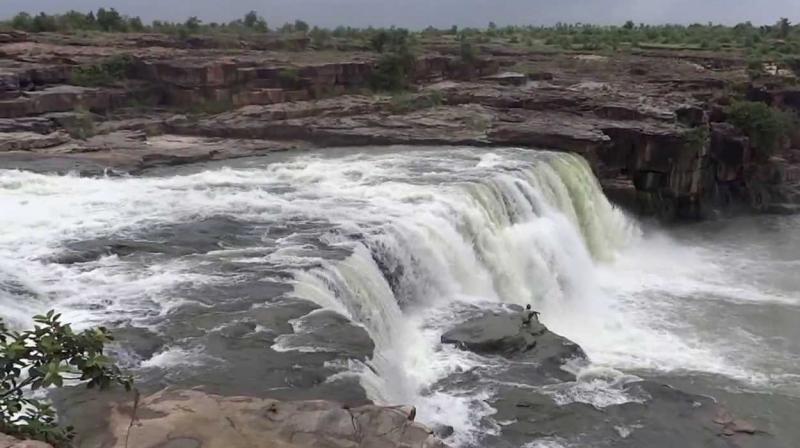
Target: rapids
402 242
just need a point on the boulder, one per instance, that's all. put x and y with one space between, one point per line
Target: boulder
503 333
327 330
27 141
39 125
508 78
259 97
140 342
9 85
194 418
17 107
66 98
13 36
7 441
657 416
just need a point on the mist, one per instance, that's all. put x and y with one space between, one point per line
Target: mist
438 13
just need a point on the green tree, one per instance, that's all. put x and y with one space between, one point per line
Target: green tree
629 25
22 21
467 52
48 355
135 24
319 37
261 25
44 23
784 28
301 26
250 19
74 20
193 24
379 40
766 126
395 68
110 20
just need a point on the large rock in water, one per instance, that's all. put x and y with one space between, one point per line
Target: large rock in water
503 333
191 418
657 416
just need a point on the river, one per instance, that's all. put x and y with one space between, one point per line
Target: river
215 266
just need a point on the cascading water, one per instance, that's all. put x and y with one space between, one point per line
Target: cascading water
401 241
500 231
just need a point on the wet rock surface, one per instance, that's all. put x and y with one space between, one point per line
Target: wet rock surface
503 333
657 416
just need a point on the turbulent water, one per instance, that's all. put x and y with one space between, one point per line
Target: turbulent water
403 242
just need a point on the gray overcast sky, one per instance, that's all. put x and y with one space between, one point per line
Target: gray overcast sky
440 13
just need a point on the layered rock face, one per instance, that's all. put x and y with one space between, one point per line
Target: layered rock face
651 123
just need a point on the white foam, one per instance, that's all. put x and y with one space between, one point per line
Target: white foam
548 442
177 356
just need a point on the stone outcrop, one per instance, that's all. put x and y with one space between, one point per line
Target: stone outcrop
503 333
27 141
659 416
191 418
7 441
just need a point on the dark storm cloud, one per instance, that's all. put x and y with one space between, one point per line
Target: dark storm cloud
440 13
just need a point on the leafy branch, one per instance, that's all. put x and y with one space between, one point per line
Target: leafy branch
49 355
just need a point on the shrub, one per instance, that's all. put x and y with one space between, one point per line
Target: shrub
301 26
44 23
48 355
192 24
81 125
109 72
765 126
467 52
393 39
393 72
289 77
22 21
319 37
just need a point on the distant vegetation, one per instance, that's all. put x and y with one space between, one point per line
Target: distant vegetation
778 42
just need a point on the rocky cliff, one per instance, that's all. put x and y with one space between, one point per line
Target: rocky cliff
652 124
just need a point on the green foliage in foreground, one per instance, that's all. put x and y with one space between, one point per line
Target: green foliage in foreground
766 127
48 356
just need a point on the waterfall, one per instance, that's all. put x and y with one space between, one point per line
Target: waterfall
399 240
514 234
406 243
